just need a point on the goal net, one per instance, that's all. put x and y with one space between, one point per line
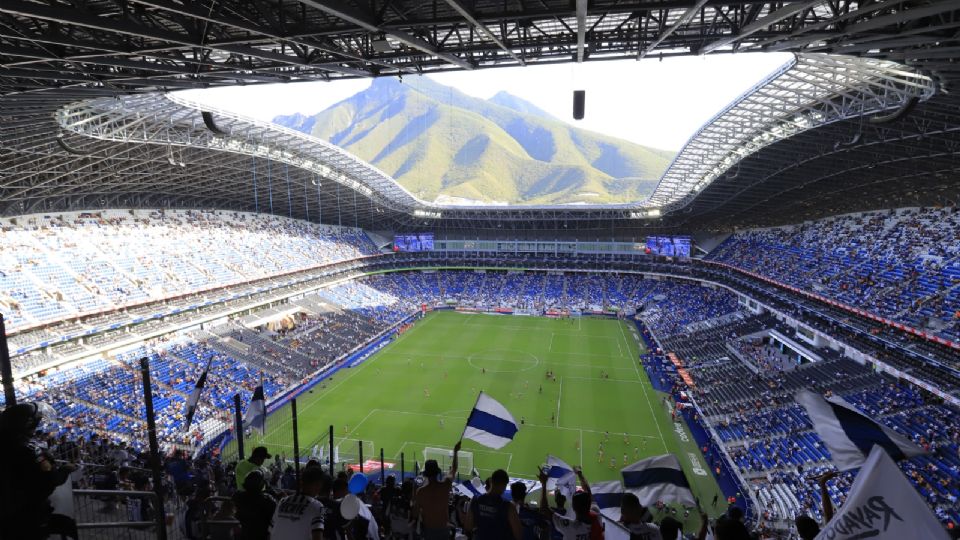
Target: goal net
347 452
444 457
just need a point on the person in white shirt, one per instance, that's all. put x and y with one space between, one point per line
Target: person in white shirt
632 517
301 516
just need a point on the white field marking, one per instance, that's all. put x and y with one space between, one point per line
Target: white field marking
396 455
587 354
446 356
581 447
347 436
560 393
646 395
354 373
319 398
602 379
627 343
463 417
519 370
578 335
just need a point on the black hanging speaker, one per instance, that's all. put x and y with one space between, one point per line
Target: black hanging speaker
579 99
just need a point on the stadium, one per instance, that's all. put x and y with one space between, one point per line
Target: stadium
181 285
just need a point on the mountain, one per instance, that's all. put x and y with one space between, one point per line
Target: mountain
444 145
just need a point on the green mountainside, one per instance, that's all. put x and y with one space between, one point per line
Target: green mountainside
442 144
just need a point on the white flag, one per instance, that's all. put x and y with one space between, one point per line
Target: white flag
490 423
882 505
561 476
849 434
659 478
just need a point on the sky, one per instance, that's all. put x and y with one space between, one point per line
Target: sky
652 102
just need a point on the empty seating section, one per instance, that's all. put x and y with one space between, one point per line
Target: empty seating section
900 264
58 266
769 436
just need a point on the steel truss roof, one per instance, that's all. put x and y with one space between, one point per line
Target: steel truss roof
56 52
121 46
812 90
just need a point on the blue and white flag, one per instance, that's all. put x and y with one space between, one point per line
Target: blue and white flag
194 398
849 434
490 423
560 476
607 496
256 417
659 478
883 505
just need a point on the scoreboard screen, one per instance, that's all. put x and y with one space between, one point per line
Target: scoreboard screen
413 242
669 246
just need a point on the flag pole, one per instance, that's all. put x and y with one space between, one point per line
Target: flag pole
475 403
238 424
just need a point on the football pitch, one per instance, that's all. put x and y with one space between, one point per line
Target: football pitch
417 393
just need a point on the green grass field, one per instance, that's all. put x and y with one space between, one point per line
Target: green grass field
384 400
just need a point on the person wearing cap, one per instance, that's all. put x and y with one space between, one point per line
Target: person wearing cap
430 504
254 462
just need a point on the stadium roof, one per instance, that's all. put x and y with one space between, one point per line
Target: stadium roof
852 123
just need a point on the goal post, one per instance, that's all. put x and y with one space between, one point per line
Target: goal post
444 458
346 451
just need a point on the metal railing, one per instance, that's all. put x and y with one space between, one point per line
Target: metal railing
118 514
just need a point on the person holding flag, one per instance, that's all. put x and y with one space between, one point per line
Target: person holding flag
194 399
490 423
585 524
256 417
430 504
882 503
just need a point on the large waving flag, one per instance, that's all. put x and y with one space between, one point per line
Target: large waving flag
561 476
194 398
849 434
608 495
256 417
659 478
490 423
882 505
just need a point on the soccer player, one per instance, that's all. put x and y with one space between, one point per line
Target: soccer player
426 393
441 423
600 455
626 440
636 452
613 462
624 459
606 435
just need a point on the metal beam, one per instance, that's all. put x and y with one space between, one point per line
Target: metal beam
762 23
350 14
465 13
684 19
581 28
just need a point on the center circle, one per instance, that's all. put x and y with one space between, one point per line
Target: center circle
503 360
